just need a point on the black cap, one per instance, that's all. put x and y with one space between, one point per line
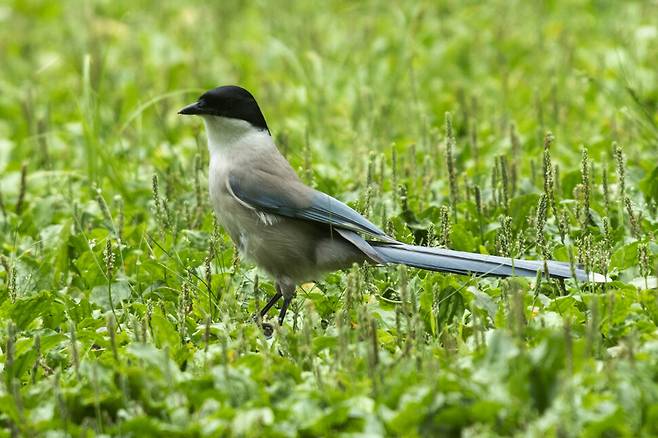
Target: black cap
228 101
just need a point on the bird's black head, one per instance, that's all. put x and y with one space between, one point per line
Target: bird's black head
228 101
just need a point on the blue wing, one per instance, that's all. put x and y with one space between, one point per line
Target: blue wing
263 192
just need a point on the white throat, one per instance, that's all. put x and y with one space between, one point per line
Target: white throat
226 134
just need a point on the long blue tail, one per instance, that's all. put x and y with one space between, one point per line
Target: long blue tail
459 262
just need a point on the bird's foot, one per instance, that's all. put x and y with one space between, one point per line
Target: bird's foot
268 329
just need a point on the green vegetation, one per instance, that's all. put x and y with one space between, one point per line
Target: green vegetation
125 311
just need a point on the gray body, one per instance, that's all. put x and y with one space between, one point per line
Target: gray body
296 233
290 250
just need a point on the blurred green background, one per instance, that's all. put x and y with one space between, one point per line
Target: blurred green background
98 76
156 339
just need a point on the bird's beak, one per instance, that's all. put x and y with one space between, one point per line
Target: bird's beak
192 109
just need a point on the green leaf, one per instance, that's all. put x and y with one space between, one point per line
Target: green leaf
164 332
28 309
100 295
649 185
625 257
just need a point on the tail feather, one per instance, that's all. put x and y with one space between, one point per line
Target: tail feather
459 262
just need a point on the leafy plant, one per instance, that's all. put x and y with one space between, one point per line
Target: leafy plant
508 127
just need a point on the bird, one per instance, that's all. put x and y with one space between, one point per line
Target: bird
296 233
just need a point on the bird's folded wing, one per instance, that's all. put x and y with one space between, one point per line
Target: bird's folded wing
291 198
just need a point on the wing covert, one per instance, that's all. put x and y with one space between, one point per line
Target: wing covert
262 191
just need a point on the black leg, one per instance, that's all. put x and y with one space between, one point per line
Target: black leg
286 302
268 329
270 303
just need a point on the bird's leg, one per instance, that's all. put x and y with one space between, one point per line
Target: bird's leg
288 291
266 326
266 308
284 309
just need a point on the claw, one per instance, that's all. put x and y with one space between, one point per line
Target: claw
268 330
